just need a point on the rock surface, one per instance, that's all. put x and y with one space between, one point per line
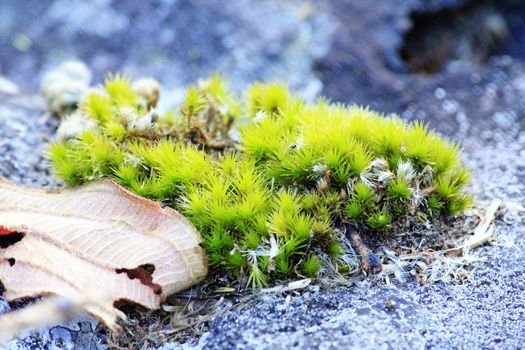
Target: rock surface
356 54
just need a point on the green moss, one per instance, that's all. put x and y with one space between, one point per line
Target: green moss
380 221
311 265
267 205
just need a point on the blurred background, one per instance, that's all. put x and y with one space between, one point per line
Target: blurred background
438 60
175 41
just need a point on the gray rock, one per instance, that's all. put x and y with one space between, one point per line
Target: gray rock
24 132
76 334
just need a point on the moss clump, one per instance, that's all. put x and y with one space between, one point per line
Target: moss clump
270 204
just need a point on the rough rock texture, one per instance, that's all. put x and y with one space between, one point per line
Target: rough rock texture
487 314
24 131
478 101
78 334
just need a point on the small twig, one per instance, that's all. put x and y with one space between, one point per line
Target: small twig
485 230
369 261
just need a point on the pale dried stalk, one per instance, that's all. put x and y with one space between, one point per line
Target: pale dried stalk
485 231
43 313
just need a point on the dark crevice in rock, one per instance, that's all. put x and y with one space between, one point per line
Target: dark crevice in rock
471 33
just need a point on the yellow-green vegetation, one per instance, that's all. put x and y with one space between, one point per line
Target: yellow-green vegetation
268 180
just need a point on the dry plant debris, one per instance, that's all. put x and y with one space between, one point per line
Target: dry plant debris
486 230
450 257
97 244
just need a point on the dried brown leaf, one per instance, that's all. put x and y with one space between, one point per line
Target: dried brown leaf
96 242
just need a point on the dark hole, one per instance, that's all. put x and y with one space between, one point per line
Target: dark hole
144 274
11 261
471 33
149 268
9 239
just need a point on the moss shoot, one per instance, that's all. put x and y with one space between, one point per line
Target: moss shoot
268 180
